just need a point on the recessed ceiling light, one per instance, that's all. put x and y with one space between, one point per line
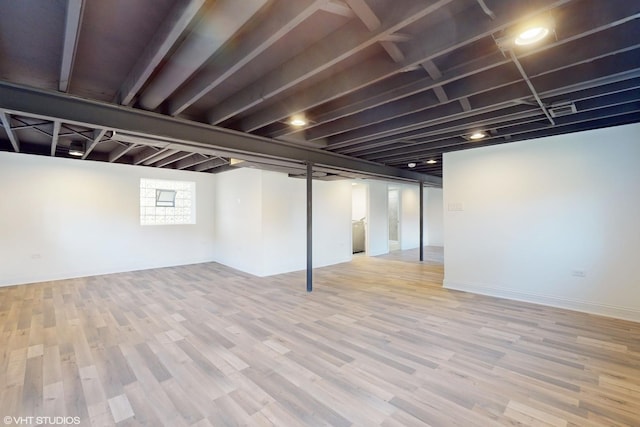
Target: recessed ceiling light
298 121
477 135
532 35
432 162
411 165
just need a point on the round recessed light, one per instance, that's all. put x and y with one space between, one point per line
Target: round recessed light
411 165
432 162
477 135
298 121
531 35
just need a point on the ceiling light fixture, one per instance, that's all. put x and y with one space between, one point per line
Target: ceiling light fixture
411 165
298 121
527 34
532 35
477 135
432 162
76 149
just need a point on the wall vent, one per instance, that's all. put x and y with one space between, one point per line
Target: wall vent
564 109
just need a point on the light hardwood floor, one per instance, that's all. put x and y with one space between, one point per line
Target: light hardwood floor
378 343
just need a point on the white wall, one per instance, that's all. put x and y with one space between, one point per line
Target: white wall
63 218
433 216
238 219
332 242
284 223
261 222
527 220
359 201
378 220
409 216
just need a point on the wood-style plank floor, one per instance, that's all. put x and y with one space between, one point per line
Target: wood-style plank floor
378 343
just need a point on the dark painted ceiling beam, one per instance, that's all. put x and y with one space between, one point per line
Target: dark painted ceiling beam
470 26
93 114
519 132
432 131
483 80
339 45
451 129
545 130
587 108
286 15
566 77
194 159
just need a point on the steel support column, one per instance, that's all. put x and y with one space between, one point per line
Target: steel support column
421 183
309 227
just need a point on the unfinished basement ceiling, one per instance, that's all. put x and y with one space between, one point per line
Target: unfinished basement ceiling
391 82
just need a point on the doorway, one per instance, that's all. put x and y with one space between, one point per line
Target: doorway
359 210
394 219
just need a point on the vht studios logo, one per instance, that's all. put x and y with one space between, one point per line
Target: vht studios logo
8 420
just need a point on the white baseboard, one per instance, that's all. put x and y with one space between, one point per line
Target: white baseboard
590 307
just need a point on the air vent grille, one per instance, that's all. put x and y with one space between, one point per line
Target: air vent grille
560 110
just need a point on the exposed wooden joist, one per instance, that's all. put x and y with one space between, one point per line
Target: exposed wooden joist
507 116
46 104
194 159
589 109
446 129
162 154
338 7
493 96
365 14
476 83
145 154
334 48
613 116
73 23
173 158
423 47
218 23
210 164
598 46
397 38
6 124
171 29
287 15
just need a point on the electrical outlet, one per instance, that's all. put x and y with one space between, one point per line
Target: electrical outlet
455 207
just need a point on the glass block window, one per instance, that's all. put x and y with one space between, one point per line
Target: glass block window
167 202
165 198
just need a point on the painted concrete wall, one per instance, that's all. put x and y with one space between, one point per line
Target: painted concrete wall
552 220
238 220
378 221
434 216
261 222
409 216
63 218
